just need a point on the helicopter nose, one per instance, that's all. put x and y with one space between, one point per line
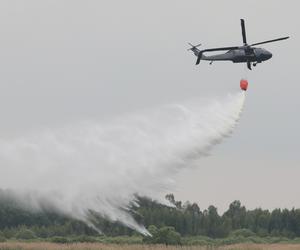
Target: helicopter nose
268 55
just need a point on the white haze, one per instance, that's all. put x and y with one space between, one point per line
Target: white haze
100 166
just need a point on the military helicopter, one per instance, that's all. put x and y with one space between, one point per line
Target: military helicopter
238 54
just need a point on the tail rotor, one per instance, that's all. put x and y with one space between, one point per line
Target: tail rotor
194 47
196 51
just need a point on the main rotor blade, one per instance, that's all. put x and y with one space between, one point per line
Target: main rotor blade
243 31
270 41
219 49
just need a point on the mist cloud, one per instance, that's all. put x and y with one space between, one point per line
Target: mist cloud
100 166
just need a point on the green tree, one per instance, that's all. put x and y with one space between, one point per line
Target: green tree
163 235
2 238
237 214
25 234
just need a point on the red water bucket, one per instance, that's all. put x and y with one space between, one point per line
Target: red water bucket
244 84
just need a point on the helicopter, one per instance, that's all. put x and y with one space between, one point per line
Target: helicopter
238 54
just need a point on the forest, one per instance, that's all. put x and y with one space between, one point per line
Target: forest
180 219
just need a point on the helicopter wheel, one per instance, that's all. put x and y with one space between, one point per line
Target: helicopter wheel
254 64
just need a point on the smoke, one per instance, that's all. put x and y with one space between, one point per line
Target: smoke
101 166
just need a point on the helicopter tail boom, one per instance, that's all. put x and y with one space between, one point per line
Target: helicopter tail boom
199 57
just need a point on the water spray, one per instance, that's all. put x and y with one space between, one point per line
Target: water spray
100 166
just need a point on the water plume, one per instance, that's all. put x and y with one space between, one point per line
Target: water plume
100 166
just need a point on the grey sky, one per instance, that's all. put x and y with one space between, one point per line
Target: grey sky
65 61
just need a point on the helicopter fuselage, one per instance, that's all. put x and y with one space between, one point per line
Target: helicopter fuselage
240 55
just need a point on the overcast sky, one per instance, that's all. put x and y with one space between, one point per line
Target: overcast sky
67 61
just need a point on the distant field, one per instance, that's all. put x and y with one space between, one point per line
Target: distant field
101 246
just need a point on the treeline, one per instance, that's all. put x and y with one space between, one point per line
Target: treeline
189 220
185 218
